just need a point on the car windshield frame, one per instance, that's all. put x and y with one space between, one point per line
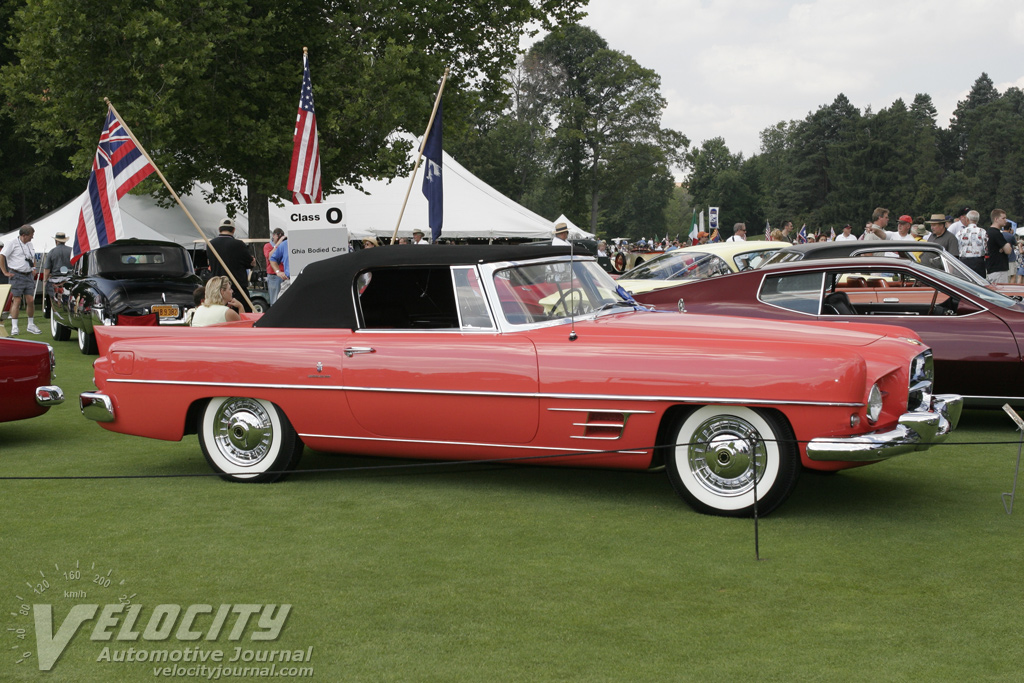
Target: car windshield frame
536 294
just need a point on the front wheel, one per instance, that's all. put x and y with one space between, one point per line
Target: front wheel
716 453
248 439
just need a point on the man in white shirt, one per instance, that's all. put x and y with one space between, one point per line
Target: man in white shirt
847 235
417 238
18 262
973 243
739 233
960 223
902 233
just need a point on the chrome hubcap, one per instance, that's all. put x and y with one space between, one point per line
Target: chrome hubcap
243 431
723 454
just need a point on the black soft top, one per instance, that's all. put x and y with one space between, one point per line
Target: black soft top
323 296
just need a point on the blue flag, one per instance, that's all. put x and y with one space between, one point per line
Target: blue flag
432 188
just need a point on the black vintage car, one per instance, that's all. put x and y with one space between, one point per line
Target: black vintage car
120 284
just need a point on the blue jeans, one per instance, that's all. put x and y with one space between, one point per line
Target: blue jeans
273 287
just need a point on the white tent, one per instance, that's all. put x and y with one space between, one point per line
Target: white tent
142 218
472 209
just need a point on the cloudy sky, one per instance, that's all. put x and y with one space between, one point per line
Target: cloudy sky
731 68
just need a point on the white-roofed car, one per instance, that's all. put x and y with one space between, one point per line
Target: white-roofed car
697 263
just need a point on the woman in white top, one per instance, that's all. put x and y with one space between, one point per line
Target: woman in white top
219 306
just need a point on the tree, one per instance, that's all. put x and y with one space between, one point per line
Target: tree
605 109
212 89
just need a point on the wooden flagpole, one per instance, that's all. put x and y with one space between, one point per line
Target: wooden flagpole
238 287
419 156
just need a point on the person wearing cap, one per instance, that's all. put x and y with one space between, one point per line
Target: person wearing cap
847 234
902 233
998 262
960 222
973 243
236 257
417 237
919 232
18 262
561 236
57 258
702 237
739 233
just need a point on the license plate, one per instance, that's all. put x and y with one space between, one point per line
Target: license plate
166 311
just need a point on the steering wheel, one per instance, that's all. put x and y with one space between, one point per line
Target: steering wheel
569 298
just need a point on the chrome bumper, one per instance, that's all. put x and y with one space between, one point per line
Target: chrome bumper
96 406
915 432
49 396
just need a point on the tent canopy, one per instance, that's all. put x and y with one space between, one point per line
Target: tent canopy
472 210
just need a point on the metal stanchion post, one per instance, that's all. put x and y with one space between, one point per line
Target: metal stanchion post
1020 427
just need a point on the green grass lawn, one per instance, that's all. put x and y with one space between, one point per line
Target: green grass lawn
905 570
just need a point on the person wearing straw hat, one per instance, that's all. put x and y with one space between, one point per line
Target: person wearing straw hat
941 236
418 237
561 235
57 258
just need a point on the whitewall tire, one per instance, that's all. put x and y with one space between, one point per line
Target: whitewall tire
248 439
716 451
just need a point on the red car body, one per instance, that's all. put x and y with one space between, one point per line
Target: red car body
467 353
26 370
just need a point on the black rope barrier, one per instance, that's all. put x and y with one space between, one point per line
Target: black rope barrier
431 464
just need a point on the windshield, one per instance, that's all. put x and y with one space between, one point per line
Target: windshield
988 295
681 264
553 291
752 259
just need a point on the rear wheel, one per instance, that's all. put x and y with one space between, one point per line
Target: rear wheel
58 331
260 305
717 451
248 439
87 343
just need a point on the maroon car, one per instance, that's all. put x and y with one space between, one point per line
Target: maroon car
26 369
975 333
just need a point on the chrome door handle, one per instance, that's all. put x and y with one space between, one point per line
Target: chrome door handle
353 350
890 300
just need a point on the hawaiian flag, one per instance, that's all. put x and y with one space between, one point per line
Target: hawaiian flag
802 235
433 189
304 177
119 166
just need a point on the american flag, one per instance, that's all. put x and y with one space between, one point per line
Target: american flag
304 178
767 230
119 166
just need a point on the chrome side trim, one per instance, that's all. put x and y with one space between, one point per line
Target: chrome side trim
472 443
715 400
601 410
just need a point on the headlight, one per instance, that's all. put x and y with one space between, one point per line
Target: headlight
874 403
922 377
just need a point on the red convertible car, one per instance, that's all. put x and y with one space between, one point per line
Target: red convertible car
26 369
504 353
975 333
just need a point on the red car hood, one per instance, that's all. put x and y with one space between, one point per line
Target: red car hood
742 331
